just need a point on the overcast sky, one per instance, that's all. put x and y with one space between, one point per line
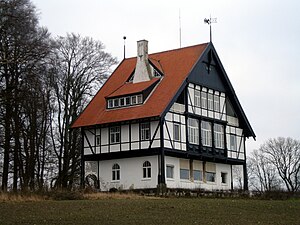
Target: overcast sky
258 42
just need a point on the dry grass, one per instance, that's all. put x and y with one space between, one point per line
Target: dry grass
12 197
105 195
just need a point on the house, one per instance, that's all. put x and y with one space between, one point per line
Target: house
170 118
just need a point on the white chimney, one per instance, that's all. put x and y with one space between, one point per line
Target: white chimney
142 68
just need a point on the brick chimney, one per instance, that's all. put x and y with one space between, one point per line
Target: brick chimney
142 68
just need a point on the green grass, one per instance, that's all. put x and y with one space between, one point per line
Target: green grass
152 211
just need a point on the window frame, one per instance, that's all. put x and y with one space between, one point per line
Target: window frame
232 142
206 134
115 135
197 98
219 140
213 175
116 172
145 132
171 169
147 170
176 132
210 101
217 107
193 131
224 176
201 175
186 172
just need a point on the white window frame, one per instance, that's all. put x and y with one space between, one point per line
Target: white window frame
197 98
193 131
110 103
133 100
232 142
176 132
170 171
219 136
139 99
210 101
203 99
129 100
146 170
217 103
115 134
145 131
206 133
116 100
116 172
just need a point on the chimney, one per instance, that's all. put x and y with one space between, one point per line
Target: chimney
142 68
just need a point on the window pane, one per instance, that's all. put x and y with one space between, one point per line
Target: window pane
210 101
224 178
210 177
204 100
206 133
184 174
145 131
197 175
133 100
197 98
176 132
219 136
233 145
217 103
127 100
116 102
170 172
193 131
98 140
140 99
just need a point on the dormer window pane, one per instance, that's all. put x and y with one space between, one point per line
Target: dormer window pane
133 100
127 100
122 101
116 102
140 99
110 103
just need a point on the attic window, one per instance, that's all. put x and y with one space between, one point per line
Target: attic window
121 102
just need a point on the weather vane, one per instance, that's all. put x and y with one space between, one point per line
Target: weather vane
209 22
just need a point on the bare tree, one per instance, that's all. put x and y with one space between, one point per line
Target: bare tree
23 45
284 154
79 68
262 173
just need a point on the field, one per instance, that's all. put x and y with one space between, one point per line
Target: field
146 210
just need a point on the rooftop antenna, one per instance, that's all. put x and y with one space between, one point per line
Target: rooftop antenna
124 38
209 22
179 29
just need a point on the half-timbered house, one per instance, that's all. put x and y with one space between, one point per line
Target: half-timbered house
169 118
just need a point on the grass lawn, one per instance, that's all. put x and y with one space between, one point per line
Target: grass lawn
152 211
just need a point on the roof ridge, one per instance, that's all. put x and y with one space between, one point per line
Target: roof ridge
170 50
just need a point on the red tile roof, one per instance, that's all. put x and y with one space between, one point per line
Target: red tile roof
131 88
175 66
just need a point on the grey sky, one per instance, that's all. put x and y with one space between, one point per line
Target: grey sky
257 41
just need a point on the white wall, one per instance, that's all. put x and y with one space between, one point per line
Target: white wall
131 173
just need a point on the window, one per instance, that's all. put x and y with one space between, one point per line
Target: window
219 136
98 140
217 103
146 169
184 174
116 102
204 100
116 172
145 131
206 133
176 132
133 100
197 175
197 98
170 171
210 101
193 131
210 177
139 99
110 103
232 142
127 101
115 135
122 101
224 178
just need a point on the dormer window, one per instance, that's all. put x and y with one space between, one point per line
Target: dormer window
121 102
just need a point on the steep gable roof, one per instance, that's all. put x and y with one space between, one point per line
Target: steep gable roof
175 66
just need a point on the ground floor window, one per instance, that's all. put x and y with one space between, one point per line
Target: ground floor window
146 169
210 177
224 178
197 175
116 172
170 171
184 174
